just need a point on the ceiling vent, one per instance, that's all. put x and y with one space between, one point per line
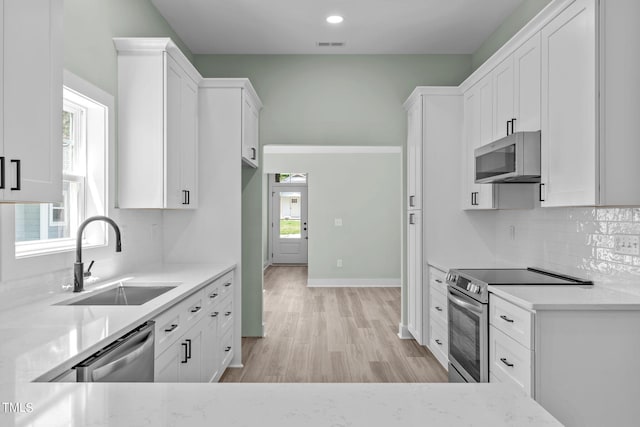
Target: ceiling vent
330 44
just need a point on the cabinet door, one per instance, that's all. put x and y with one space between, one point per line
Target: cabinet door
191 347
32 100
526 65
211 347
503 98
189 143
181 138
568 149
414 273
485 110
167 365
250 130
414 156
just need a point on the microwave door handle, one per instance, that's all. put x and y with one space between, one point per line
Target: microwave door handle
125 360
462 303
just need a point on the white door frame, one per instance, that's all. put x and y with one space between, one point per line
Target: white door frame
273 188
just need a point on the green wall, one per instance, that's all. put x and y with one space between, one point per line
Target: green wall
364 190
322 100
523 14
90 25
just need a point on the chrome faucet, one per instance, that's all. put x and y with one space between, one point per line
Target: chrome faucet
78 268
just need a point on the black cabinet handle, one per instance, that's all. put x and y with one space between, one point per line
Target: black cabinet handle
474 198
172 328
506 319
213 295
513 125
508 121
253 153
439 308
188 349
186 359
1 173
438 342
184 197
541 191
18 177
215 314
438 281
504 360
226 285
228 313
196 309
412 201
228 348
188 197
411 219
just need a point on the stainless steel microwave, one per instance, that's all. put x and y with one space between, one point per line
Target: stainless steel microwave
512 159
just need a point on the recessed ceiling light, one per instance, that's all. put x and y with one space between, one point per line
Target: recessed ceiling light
335 19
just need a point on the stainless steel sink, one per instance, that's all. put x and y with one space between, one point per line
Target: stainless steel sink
131 293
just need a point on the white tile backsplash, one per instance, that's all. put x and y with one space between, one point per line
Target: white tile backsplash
574 241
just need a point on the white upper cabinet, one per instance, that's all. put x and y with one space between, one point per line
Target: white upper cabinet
250 130
569 169
414 155
516 83
590 105
31 108
158 125
527 81
478 130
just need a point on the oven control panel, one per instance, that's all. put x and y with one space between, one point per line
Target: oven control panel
465 284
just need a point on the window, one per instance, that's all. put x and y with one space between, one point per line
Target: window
52 227
291 178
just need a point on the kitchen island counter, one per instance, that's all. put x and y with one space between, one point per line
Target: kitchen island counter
270 405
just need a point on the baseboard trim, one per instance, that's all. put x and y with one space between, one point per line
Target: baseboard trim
353 283
403 332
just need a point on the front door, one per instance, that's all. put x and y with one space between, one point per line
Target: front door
289 236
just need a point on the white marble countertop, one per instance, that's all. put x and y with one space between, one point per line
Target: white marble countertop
532 297
39 336
271 405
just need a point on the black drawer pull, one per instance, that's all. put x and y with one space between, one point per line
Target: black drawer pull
18 178
228 313
189 349
504 360
196 309
215 314
438 281
172 328
438 342
228 348
213 295
226 285
439 308
186 359
506 319
1 173
253 153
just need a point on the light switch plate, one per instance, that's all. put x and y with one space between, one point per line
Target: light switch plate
626 244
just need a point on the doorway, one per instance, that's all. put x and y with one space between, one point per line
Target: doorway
289 218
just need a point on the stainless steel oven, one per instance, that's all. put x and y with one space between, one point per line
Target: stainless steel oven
468 339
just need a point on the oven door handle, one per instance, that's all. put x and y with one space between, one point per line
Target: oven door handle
462 303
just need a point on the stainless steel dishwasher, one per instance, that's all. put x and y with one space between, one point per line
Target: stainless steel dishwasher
128 359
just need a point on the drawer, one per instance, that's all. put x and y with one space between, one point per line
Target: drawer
226 350
438 306
167 330
226 284
225 318
194 308
212 293
510 361
439 342
511 319
438 279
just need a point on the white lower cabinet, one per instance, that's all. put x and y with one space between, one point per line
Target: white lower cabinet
414 273
510 361
194 337
438 318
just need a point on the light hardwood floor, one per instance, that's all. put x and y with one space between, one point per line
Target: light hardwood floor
331 335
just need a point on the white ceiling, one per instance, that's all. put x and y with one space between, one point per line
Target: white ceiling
370 26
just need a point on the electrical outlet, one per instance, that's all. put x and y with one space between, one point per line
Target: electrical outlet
626 244
512 232
339 263
337 222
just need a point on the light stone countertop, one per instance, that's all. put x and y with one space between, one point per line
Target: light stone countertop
274 405
534 297
39 336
